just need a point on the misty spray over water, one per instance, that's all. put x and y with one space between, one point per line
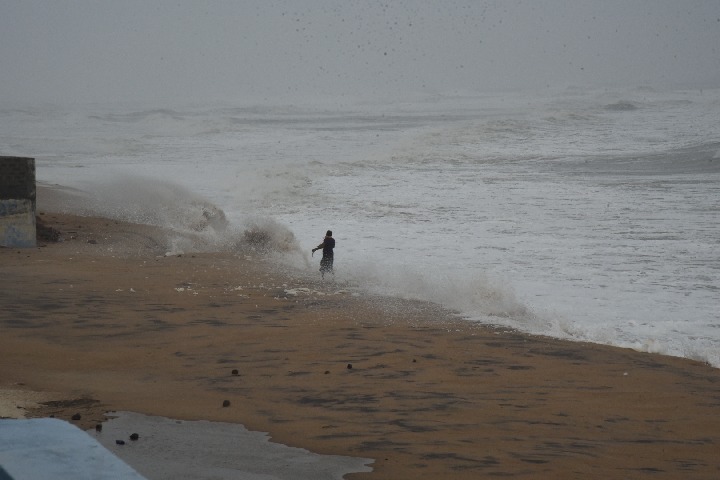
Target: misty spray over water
193 223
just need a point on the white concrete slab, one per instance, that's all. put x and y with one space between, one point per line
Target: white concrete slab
48 448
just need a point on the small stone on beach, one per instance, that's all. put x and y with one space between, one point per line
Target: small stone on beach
235 372
120 442
349 366
76 416
134 436
226 403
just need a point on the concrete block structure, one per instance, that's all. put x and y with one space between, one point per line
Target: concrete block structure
17 202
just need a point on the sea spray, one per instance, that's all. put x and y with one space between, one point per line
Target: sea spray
476 295
192 223
146 201
267 236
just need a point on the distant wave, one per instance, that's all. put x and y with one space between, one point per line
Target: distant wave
622 106
142 115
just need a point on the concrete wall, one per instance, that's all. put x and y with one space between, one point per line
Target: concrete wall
17 202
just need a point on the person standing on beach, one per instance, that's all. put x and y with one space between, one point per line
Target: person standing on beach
328 244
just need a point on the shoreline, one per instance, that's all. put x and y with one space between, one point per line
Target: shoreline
104 321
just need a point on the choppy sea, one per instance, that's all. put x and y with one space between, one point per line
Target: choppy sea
589 215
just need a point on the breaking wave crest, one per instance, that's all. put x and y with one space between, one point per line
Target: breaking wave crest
472 295
191 222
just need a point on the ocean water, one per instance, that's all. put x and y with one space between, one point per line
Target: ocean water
584 214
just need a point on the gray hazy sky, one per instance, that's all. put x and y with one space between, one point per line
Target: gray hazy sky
160 50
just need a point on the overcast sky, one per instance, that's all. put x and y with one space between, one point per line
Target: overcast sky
160 50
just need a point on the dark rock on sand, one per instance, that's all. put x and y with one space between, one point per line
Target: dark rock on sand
45 232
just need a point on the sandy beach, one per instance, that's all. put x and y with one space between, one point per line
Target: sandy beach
105 321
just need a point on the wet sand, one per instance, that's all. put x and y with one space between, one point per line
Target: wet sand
104 321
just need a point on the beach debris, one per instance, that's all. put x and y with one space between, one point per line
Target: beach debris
98 427
327 372
185 286
226 403
235 372
349 366
120 442
77 416
134 436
